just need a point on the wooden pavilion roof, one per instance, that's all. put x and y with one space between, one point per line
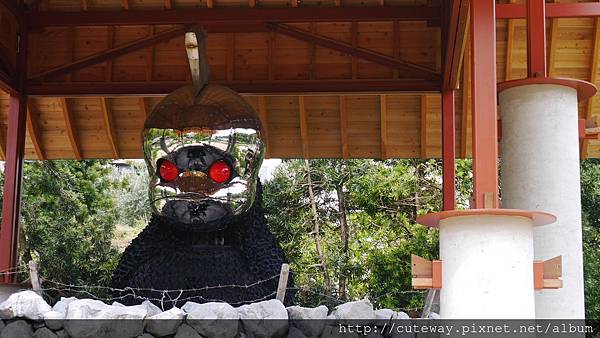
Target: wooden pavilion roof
356 79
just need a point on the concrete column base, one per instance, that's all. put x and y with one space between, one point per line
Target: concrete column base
487 262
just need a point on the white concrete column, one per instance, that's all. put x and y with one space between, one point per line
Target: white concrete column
487 267
540 171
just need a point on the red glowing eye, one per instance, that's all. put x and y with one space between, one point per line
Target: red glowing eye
220 171
168 171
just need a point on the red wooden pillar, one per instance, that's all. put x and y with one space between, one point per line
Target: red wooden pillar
536 38
485 139
15 146
448 149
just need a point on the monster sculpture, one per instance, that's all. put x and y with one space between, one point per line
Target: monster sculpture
207 239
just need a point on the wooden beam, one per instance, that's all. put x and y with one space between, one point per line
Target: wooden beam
383 125
144 106
312 54
84 5
34 133
110 54
553 10
12 6
355 51
70 127
344 126
275 87
71 39
168 4
262 110
125 4
465 101
396 46
251 3
150 56
111 133
593 79
210 3
271 55
456 40
303 127
238 16
423 142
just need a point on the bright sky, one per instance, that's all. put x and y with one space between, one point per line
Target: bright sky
267 169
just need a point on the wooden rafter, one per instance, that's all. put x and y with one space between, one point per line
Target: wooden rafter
424 109
383 125
239 16
312 54
125 4
150 56
396 46
344 127
251 3
303 126
210 3
34 133
593 79
262 110
144 106
168 4
110 41
110 54
70 127
271 55
71 40
351 50
111 133
456 41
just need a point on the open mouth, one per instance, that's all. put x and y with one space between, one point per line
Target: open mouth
194 212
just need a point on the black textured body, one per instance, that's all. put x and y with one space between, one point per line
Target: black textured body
166 256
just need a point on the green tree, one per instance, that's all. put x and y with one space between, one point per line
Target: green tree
590 204
68 216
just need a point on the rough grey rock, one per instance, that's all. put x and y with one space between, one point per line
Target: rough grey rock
62 305
207 319
273 318
146 335
62 334
294 332
385 314
301 318
334 331
433 315
17 329
37 325
25 304
2 325
117 304
186 331
360 309
165 323
94 309
152 309
54 320
402 315
44 332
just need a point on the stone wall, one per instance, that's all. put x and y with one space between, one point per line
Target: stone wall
26 314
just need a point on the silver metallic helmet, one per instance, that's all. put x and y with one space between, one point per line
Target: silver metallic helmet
203 149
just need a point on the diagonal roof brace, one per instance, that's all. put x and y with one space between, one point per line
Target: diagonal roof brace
359 52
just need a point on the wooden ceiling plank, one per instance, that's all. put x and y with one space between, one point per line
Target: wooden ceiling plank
351 50
84 5
303 126
34 133
262 110
230 56
509 49
111 133
238 16
312 54
271 55
551 49
344 126
168 4
71 40
424 109
210 3
110 41
593 79
110 54
150 56
396 46
70 127
354 38
251 3
383 125
125 4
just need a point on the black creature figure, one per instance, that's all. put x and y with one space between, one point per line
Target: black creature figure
208 239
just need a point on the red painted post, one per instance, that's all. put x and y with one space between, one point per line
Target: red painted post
448 149
483 82
15 149
536 38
